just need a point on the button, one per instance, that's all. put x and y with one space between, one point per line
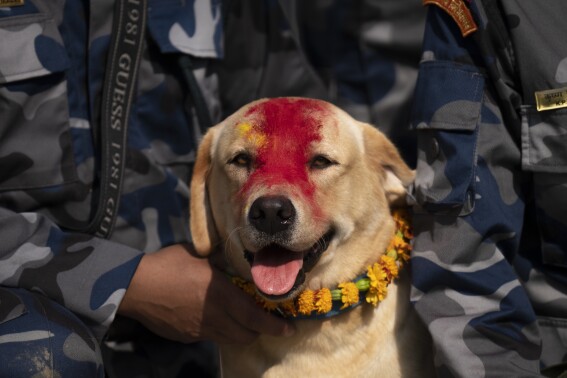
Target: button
434 148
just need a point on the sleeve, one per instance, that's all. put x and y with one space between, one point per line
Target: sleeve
41 177
470 204
85 274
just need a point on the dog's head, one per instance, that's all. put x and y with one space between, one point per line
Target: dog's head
296 193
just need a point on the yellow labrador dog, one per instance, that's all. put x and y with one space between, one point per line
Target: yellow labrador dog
299 196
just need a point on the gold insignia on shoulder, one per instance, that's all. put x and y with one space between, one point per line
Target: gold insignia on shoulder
459 11
11 3
551 99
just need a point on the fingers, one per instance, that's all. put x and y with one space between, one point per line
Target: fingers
246 314
246 324
230 334
253 317
185 298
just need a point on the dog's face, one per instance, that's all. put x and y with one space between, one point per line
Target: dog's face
296 193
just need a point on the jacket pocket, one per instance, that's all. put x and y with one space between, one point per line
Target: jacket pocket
35 148
544 137
446 113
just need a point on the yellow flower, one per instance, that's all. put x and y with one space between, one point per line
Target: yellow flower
378 284
371 297
349 294
402 224
323 301
248 287
289 308
306 302
404 257
389 266
382 290
398 242
269 305
376 274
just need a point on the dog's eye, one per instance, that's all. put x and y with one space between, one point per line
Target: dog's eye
242 160
320 162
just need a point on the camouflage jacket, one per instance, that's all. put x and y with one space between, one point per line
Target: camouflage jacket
490 254
52 64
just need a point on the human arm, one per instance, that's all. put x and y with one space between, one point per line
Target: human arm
87 275
174 294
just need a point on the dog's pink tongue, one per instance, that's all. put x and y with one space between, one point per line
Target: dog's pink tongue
275 269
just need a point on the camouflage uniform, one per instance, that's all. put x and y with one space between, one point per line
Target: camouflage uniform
360 55
52 63
490 254
59 290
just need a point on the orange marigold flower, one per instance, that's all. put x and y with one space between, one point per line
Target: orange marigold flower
323 301
378 284
399 242
389 265
248 287
288 307
371 297
349 294
269 305
402 224
376 274
404 254
238 281
306 302
382 290
377 295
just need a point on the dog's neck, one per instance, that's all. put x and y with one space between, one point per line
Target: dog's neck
370 287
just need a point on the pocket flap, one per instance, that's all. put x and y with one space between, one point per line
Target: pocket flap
31 45
446 112
544 136
449 97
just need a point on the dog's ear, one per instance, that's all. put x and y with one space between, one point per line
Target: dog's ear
203 231
384 156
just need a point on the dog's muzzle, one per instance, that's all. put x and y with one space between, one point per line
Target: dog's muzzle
277 271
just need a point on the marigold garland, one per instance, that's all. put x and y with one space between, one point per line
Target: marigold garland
373 285
349 294
306 302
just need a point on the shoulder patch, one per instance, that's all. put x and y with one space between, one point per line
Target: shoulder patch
459 11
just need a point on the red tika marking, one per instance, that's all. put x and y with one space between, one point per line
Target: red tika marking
290 126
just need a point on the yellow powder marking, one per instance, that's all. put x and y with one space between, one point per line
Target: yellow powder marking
251 134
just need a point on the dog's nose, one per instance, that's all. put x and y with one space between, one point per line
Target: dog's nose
272 214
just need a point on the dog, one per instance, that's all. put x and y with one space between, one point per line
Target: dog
299 196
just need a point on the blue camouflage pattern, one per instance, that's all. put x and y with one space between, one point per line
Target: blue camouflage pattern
50 92
360 55
489 256
49 341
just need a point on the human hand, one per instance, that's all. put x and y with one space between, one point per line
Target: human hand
185 298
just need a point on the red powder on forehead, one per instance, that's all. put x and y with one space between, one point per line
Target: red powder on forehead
290 126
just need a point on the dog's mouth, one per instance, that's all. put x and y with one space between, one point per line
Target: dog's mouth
278 272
